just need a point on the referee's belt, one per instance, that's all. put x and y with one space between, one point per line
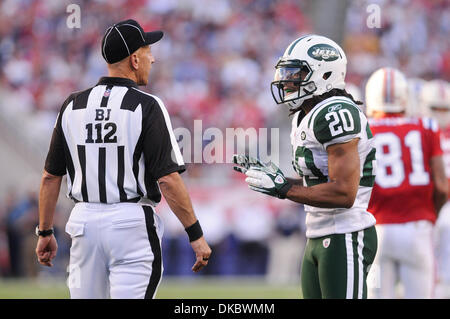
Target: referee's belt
131 200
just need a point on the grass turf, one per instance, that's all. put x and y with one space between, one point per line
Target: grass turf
170 288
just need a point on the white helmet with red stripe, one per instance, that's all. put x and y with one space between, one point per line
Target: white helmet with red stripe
386 91
435 100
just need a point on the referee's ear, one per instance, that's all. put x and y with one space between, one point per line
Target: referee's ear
134 61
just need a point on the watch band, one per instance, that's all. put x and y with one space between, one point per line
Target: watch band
45 232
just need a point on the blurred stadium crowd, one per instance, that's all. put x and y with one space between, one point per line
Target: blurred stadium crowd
215 64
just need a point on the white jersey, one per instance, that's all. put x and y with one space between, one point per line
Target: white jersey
334 120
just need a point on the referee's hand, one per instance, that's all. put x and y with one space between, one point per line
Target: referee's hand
46 250
202 253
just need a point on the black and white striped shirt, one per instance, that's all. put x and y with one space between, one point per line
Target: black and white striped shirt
114 141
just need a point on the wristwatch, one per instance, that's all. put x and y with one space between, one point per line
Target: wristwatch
44 233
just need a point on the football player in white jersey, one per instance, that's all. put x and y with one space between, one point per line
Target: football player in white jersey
334 158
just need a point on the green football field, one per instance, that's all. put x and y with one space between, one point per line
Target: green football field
170 288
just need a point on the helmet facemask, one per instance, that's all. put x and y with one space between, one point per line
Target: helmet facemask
291 83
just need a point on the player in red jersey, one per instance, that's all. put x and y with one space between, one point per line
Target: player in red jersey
435 100
410 189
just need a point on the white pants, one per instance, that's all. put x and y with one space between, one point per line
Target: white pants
116 251
405 254
443 252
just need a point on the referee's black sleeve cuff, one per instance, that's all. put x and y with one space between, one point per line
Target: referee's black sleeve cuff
180 169
54 171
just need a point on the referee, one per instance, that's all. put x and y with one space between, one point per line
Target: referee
116 145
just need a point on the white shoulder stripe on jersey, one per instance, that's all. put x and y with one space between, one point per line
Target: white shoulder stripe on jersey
173 140
430 124
425 123
334 99
434 125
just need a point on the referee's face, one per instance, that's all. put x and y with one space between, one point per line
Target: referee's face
146 60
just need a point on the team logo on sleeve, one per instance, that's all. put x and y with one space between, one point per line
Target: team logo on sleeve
326 242
303 135
323 52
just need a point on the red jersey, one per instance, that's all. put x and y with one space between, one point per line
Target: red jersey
445 144
403 189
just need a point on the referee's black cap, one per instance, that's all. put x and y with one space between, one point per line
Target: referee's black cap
124 38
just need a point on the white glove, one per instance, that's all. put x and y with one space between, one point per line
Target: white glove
267 179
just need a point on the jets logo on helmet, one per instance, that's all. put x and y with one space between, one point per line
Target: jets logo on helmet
323 52
386 91
310 66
